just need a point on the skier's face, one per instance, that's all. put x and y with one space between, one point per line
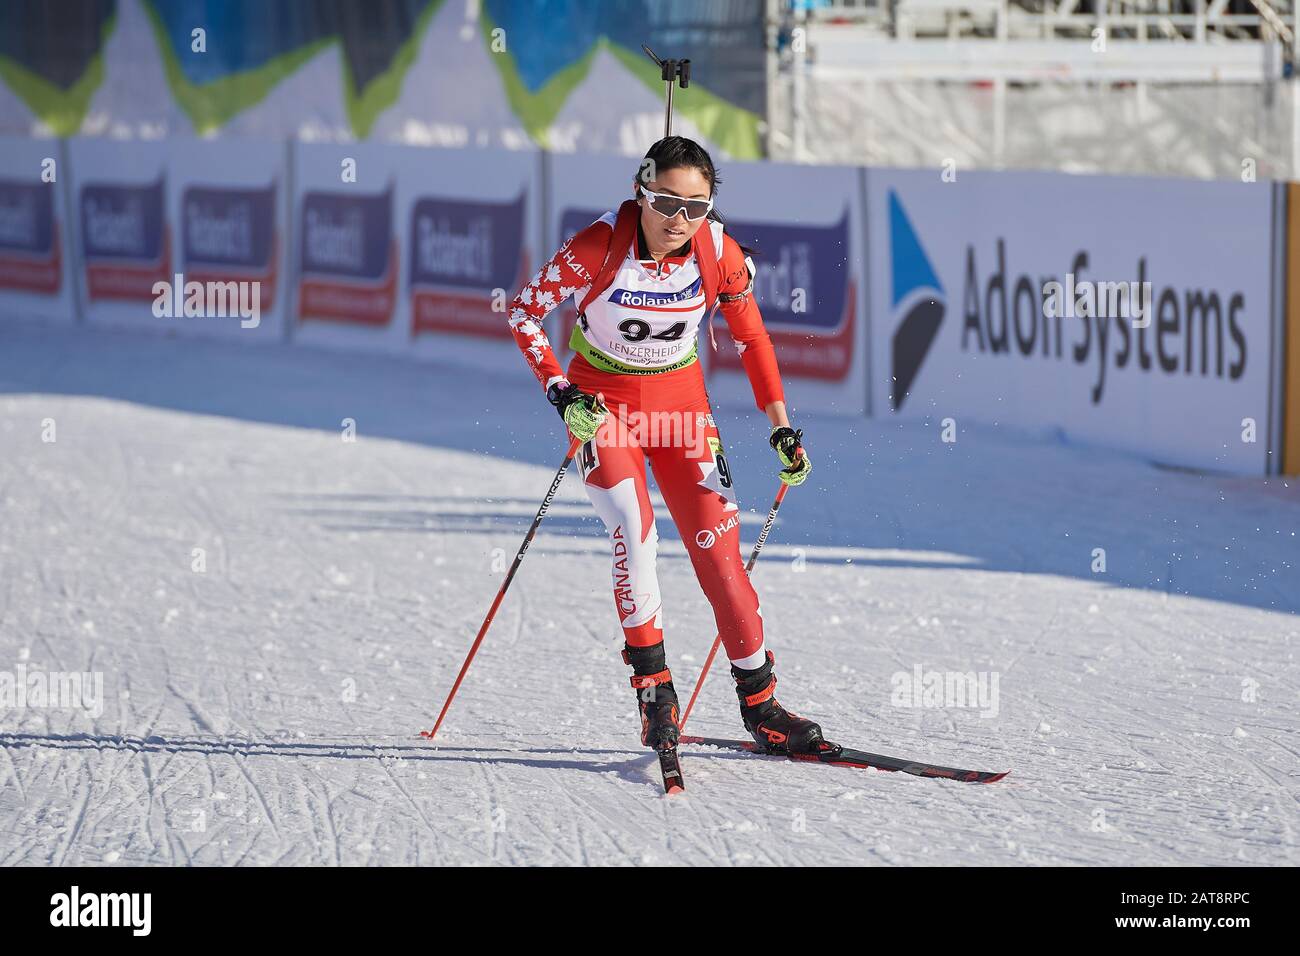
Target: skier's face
664 235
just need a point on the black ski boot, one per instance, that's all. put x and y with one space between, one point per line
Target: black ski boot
655 695
774 728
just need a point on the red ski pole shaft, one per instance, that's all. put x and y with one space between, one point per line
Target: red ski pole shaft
501 593
717 640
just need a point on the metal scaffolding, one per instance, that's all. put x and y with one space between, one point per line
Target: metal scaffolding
1195 87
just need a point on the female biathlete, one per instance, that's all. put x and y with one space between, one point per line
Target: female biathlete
645 277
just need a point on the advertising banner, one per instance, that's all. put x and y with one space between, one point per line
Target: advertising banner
413 250
183 236
1139 314
347 251
34 270
809 282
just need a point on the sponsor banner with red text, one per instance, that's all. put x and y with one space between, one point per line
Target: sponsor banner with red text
230 201
184 236
472 221
347 246
123 230
34 267
809 282
413 250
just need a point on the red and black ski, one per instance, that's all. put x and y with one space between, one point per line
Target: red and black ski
671 767
838 756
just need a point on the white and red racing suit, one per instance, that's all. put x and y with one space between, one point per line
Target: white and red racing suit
636 343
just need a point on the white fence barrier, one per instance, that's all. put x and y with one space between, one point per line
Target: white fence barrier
1140 314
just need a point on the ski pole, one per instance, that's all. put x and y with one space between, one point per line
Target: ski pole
510 576
717 641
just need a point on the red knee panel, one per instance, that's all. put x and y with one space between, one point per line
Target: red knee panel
696 484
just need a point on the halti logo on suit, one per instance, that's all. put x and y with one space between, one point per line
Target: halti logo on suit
708 537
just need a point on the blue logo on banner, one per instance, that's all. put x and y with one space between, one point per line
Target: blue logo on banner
911 274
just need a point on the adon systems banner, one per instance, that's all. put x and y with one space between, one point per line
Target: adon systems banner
1107 307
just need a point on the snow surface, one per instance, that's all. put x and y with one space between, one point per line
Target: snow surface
265 710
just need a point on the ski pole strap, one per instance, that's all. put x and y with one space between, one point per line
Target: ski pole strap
598 359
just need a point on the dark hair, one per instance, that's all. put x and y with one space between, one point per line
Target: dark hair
678 152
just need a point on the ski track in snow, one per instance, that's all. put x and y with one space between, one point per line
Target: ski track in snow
266 710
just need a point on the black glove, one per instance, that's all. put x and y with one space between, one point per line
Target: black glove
582 413
788 445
